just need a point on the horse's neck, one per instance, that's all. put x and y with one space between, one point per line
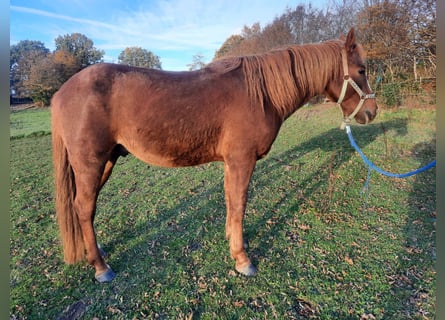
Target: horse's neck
289 78
315 66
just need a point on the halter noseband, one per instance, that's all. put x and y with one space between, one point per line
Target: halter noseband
347 79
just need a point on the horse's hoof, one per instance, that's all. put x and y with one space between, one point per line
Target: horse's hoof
248 270
106 276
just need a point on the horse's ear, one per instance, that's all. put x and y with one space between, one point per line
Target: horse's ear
350 43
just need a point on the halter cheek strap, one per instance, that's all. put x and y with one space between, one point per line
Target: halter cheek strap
348 80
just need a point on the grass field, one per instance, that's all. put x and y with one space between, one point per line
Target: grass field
324 249
31 122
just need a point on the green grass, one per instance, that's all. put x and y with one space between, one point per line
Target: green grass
324 249
31 122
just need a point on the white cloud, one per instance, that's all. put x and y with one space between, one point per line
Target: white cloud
160 26
62 17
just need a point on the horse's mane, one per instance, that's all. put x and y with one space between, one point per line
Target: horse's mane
295 74
284 77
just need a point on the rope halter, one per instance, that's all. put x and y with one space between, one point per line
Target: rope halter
347 79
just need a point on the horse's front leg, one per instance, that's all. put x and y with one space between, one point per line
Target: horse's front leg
237 176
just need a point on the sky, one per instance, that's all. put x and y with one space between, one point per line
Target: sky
174 30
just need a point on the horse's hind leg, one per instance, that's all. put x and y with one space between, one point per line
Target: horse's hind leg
117 152
89 178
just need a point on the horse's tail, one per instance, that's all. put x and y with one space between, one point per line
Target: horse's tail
65 189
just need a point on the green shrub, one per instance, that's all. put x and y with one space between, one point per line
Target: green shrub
391 95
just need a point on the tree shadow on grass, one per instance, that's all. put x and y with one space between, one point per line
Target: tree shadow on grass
413 286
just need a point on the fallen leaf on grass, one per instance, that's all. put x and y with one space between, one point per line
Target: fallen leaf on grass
305 308
349 261
114 310
232 273
238 304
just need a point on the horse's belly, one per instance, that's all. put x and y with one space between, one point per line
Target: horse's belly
173 143
153 159
174 157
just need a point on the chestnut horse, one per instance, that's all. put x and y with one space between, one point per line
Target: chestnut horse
230 111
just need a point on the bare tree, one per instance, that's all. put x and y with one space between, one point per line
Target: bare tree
198 62
421 15
302 24
383 30
340 16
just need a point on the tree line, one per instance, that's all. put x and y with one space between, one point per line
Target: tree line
399 36
37 73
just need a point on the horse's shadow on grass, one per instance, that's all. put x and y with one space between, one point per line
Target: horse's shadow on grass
170 236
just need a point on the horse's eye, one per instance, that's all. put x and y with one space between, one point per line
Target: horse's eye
362 71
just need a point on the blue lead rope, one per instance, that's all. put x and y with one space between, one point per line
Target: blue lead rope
371 166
